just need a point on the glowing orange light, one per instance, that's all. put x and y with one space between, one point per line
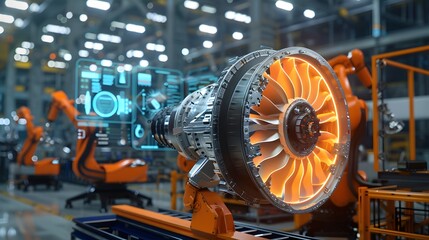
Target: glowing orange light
294 178
52 56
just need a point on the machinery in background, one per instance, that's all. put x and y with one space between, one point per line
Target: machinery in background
274 130
399 209
108 181
46 170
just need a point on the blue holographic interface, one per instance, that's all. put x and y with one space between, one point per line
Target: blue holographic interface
104 92
123 100
155 88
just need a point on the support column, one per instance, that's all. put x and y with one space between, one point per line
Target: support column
9 91
173 37
256 25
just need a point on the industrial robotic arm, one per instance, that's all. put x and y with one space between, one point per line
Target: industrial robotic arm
46 166
34 134
344 66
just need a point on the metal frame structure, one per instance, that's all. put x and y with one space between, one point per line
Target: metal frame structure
396 220
411 70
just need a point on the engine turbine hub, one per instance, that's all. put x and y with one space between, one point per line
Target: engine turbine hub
274 128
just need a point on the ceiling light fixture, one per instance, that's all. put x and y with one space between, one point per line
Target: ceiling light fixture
101 5
308 13
20 5
284 5
191 4
207 29
6 18
135 28
47 38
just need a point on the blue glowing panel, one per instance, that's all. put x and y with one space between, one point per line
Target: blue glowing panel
103 93
154 89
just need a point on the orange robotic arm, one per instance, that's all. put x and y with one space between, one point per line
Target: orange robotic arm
343 66
34 133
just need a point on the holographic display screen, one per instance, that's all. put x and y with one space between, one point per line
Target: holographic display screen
103 92
155 88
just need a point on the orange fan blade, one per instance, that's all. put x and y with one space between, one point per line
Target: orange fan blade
264 136
315 88
325 135
324 156
266 107
266 119
327 117
279 178
303 69
320 100
307 180
319 176
282 79
268 167
289 67
268 151
274 91
293 184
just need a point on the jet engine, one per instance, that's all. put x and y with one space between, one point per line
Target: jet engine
273 129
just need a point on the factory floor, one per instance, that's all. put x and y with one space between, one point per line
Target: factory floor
41 214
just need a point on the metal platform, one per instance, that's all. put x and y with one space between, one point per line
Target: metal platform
114 227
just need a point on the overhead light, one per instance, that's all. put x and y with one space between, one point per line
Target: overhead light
144 63
308 13
56 29
106 63
20 5
156 17
135 28
83 53
239 17
208 9
26 44
237 35
34 7
128 67
1 30
109 38
56 64
6 18
67 57
47 38
102 5
19 23
155 47
22 51
191 4
138 54
116 24
91 36
83 17
24 59
185 51
94 45
163 58
17 57
69 15
284 5
207 29
208 44
120 69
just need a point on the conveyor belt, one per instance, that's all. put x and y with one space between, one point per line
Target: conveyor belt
115 227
